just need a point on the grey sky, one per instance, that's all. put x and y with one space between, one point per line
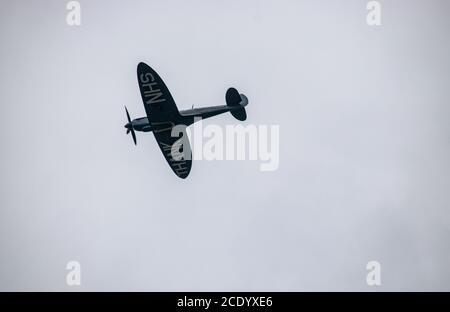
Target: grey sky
364 146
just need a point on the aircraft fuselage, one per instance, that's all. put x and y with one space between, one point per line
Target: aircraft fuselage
186 117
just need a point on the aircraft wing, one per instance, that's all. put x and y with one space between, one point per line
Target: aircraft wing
158 102
175 148
161 112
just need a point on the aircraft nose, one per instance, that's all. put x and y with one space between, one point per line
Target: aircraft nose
127 126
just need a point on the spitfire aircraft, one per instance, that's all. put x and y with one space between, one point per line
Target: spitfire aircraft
163 115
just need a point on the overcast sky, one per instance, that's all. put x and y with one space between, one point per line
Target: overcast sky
364 171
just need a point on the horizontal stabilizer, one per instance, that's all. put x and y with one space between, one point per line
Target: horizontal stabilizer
239 114
234 99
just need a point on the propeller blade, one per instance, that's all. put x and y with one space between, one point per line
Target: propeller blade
130 129
128 115
134 136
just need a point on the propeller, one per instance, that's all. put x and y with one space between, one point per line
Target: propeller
129 126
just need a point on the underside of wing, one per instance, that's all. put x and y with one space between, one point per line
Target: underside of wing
176 149
158 102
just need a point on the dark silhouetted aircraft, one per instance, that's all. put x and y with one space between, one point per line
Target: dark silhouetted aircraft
163 116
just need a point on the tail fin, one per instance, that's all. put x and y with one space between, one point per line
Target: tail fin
233 98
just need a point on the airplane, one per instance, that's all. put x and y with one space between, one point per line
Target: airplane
163 115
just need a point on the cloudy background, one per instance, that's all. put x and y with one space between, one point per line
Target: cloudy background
364 146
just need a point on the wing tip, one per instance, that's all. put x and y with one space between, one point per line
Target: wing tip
142 66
